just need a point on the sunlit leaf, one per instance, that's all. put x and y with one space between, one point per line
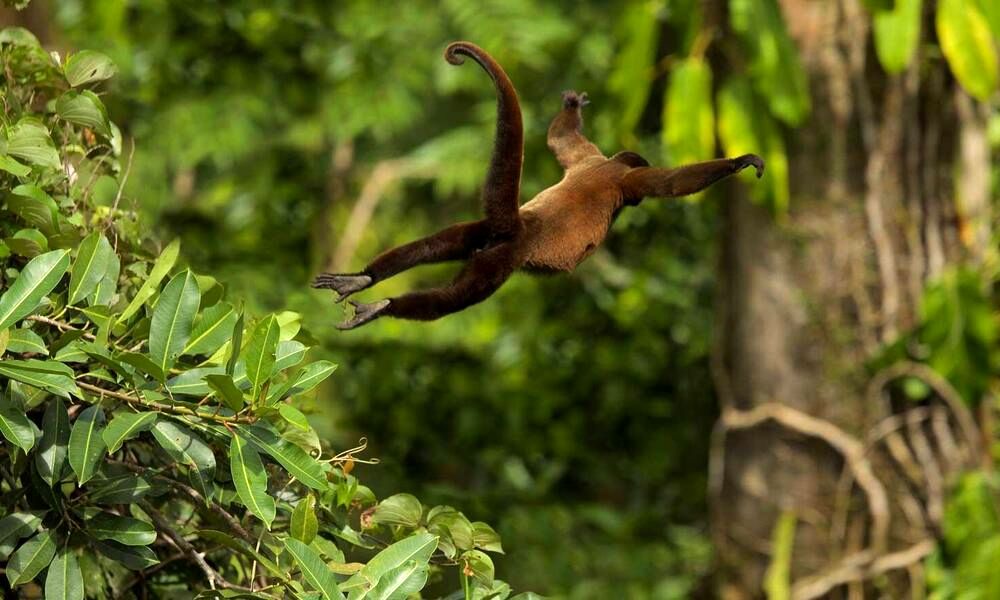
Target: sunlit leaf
163 264
125 426
86 444
689 121
260 351
64 580
29 140
87 66
124 530
15 526
29 560
26 341
14 425
291 457
897 32
172 319
84 108
37 279
213 327
186 448
90 266
314 570
303 525
968 45
250 480
398 509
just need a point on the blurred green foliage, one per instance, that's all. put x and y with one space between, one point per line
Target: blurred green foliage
574 411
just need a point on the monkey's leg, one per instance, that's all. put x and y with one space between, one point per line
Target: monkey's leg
565 138
453 243
666 183
485 272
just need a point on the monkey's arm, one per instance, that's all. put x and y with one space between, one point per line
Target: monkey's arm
681 181
501 189
565 138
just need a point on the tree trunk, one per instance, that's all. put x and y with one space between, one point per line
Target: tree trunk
807 430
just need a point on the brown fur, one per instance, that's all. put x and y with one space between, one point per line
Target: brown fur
554 231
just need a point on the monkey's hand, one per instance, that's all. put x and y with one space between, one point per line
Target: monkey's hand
573 99
364 313
750 160
344 285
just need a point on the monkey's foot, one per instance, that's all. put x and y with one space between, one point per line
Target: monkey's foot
364 313
751 160
344 285
573 99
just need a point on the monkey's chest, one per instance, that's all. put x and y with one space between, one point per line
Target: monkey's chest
559 240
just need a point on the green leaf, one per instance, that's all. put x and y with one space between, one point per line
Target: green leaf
14 425
173 317
294 416
87 66
50 460
304 525
28 243
29 140
481 566
37 279
64 580
236 345
29 560
250 480
188 449
314 570
968 45
34 207
991 10
84 108
689 121
288 354
135 558
775 67
399 509
291 457
484 537
260 351
163 264
46 375
90 266
226 390
124 530
15 526
632 75
897 32
86 445
308 378
399 583
26 341
13 167
192 382
108 284
124 489
125 426
414 549
213 328
19 36
142 363
777 578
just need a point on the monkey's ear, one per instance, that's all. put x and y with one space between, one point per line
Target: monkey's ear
631 159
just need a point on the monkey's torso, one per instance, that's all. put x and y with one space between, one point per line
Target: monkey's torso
565 223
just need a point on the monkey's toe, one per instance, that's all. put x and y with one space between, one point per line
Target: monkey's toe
344 285
364 313
573 99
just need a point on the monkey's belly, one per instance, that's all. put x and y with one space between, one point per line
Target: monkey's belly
562 248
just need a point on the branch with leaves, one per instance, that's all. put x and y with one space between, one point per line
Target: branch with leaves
151 432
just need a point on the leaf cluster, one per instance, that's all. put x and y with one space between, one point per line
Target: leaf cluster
149 433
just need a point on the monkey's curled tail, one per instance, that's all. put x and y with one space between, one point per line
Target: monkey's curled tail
503 182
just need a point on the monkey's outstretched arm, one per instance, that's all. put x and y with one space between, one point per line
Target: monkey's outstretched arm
681 181
503 180
565 138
